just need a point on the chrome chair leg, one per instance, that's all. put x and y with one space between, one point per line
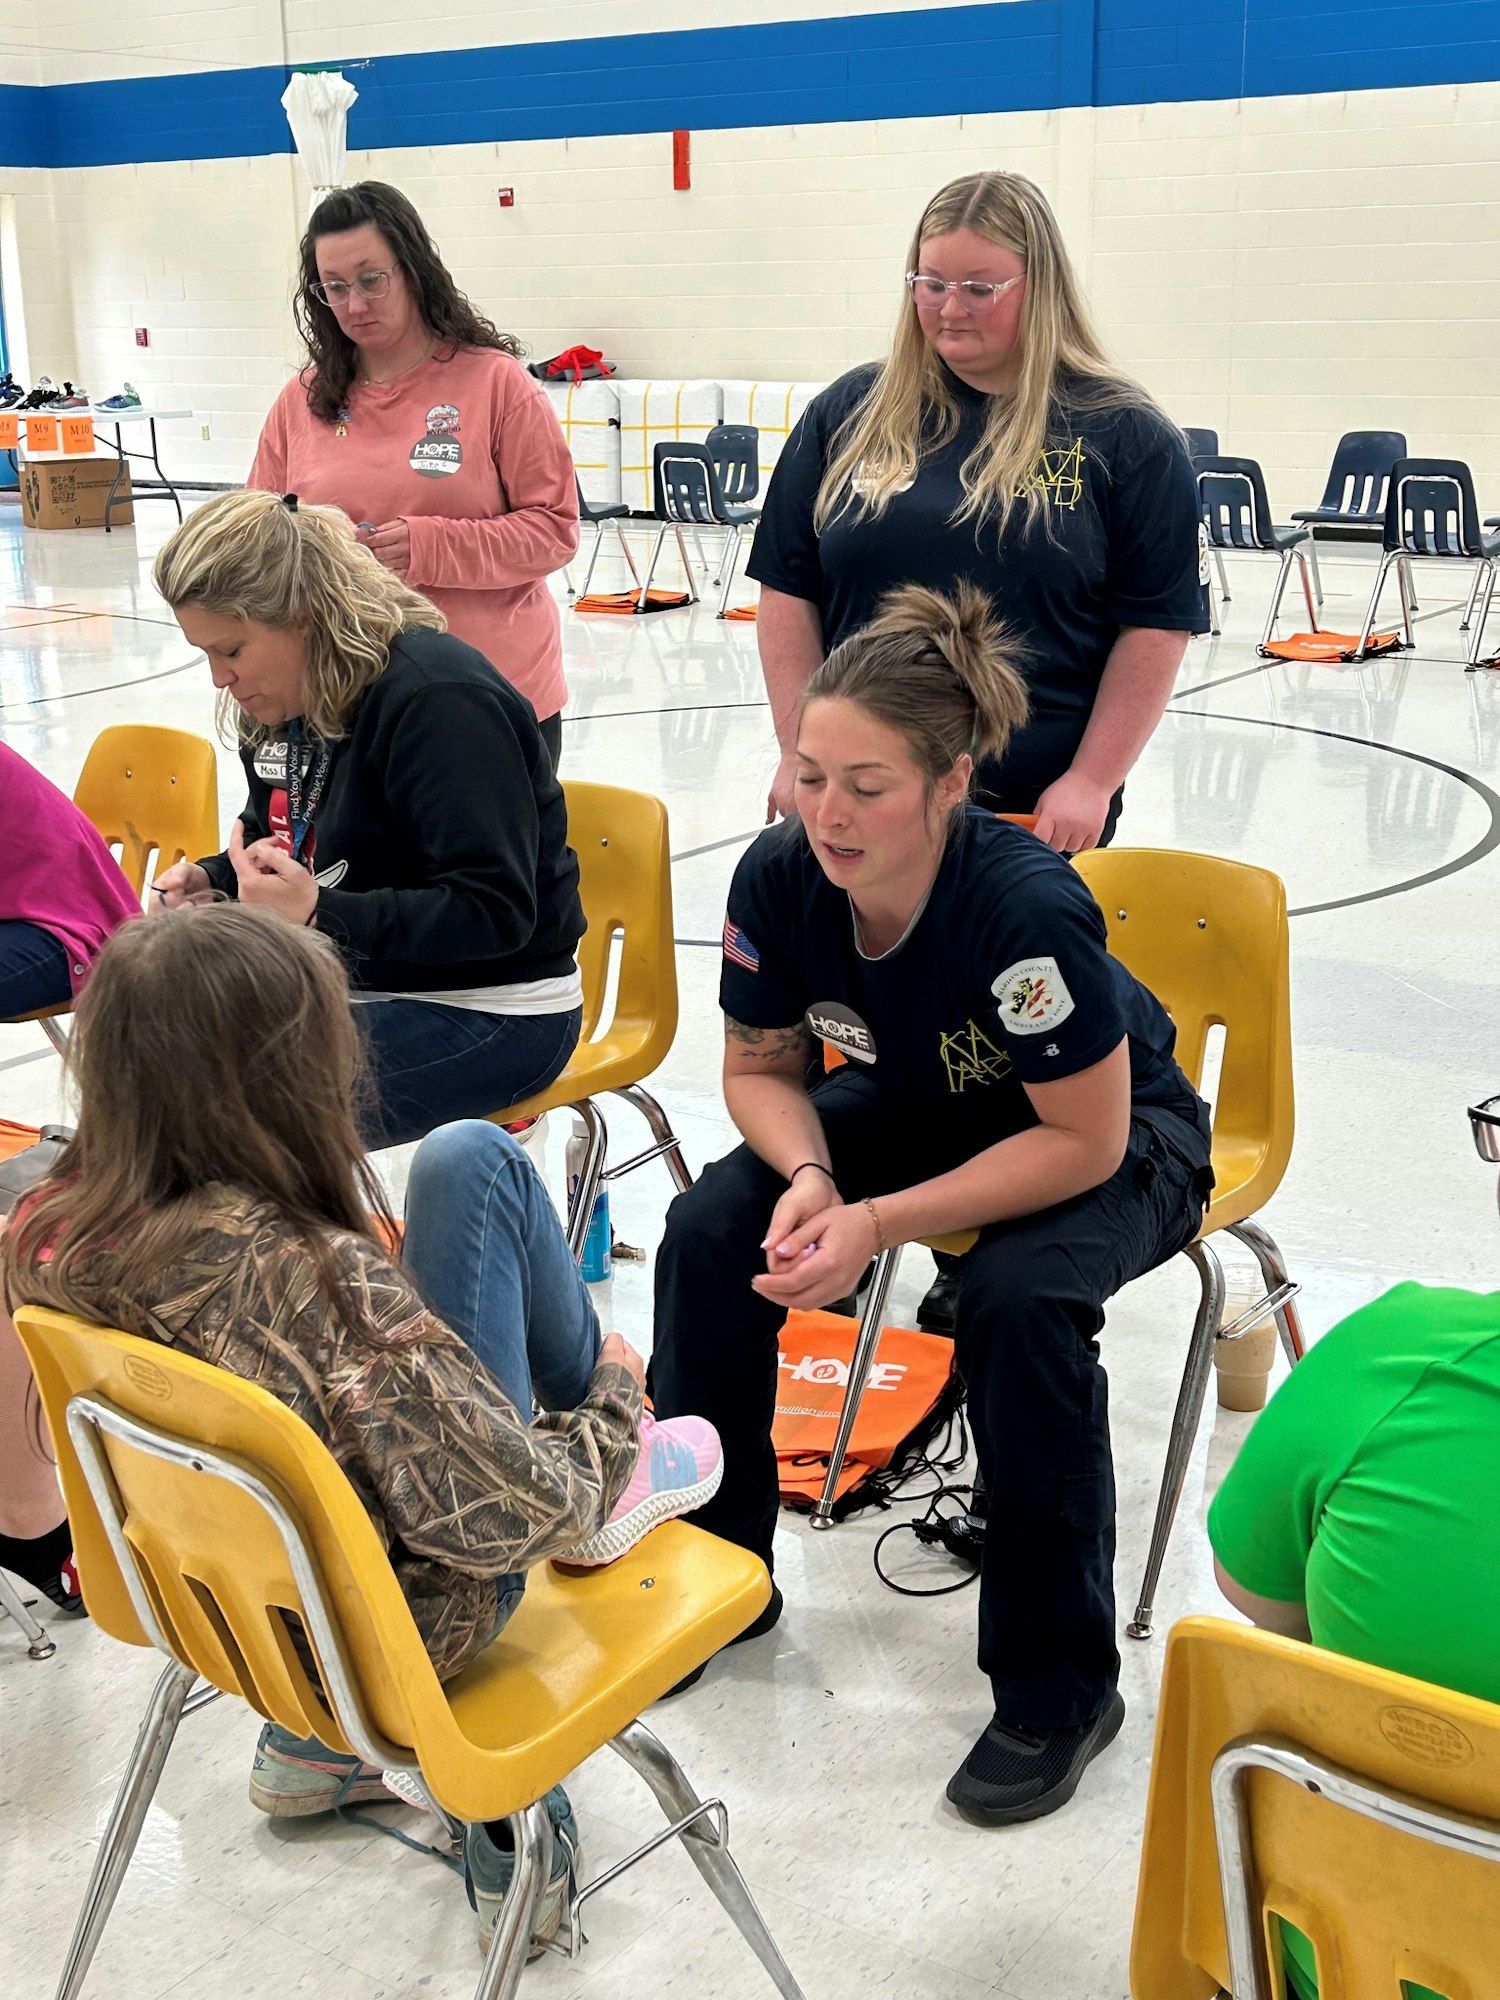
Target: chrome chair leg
731 557
1478 578
649 1758
1218 555
635 575
1311 546
506 1959
38 1645
1215 623
56 1034
1307 596
1387 558
871 1325
581 1207
1408 598
1276 596
588 574
127 1816
1267 1253
687 568
1476 639
661 1132
656 548
1184 1428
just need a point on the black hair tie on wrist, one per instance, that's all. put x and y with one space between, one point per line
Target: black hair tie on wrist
810 1163
289 501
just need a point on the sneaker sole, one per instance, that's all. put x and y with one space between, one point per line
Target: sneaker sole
1105 1731
307 1805
549 1917
618 1538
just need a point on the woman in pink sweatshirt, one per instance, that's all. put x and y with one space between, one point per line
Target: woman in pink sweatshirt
61 892
416 418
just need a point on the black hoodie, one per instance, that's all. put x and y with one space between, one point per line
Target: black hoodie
441 839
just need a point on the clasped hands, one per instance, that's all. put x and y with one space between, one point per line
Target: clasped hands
817 1245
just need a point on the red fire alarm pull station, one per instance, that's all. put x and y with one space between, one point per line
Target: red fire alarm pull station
682 166
507 197
142 337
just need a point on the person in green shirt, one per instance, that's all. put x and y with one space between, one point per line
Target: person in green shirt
1361 1510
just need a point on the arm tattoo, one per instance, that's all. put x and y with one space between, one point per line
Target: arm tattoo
770 1046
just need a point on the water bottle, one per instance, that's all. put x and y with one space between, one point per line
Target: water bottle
595 1263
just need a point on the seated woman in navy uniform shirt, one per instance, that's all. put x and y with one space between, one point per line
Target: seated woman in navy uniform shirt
1005 1074
996 443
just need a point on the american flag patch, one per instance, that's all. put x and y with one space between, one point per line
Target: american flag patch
738 948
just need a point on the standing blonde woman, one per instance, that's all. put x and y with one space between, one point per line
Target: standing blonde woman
996 443
402 801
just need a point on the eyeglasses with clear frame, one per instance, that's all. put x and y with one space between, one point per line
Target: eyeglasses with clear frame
369 285
974 296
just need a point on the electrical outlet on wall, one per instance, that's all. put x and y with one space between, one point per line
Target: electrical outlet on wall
206 433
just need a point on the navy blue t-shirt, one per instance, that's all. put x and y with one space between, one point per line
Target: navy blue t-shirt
1117 545
1004 979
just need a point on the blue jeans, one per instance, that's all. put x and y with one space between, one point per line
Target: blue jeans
488 1253
432 1064
33 970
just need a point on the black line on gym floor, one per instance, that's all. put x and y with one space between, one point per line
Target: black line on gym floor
682 708
1486 844
110 687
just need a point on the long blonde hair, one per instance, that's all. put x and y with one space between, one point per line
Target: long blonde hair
910 408
253 556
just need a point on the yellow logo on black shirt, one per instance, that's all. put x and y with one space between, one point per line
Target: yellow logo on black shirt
969 1056
1057 476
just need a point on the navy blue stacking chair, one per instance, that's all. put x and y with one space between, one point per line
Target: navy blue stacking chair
1431 515
1237 515
1353 502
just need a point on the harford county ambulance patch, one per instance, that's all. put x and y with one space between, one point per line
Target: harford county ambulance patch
1033 996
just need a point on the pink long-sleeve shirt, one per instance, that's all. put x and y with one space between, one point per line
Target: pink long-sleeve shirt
468 452
55 871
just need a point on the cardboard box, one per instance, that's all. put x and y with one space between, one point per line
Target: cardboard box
71 492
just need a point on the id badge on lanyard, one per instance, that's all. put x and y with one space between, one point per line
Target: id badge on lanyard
303 793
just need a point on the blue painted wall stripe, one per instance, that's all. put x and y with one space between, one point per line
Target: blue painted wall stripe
1014 55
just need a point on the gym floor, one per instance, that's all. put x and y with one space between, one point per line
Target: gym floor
1372 791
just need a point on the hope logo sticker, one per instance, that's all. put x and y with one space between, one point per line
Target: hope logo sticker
832 1022
1033 996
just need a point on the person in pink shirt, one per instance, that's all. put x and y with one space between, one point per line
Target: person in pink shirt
415 416
61 892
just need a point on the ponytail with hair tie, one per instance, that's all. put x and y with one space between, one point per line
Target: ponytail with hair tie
939 669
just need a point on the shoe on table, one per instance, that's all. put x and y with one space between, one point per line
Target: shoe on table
41 396
490 1863
1015 1774
678 1469
11 391
938 1311
294 1777
73 399
127 399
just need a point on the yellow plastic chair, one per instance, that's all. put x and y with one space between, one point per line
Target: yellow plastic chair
204 1513
1357 1804
625 882
155 793
1210 939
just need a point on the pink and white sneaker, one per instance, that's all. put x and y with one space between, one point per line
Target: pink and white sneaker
679 1468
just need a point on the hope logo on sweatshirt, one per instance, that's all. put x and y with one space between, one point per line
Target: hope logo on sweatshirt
439 454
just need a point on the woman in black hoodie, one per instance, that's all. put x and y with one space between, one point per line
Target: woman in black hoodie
401 800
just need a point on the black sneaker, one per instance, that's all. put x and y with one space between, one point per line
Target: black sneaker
767 1619
1015 1774
939 1307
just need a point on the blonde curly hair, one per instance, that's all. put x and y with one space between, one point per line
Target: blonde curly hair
255 557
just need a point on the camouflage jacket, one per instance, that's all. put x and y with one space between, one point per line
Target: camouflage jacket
460 1487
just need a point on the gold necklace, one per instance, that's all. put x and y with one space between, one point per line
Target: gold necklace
375 382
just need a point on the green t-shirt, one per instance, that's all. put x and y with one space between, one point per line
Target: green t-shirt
1369 1489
